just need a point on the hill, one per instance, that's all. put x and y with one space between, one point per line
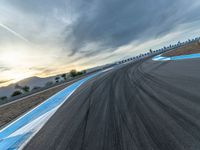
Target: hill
31 82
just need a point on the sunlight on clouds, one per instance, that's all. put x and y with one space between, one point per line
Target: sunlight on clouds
19 59
36 40
10 58
25 61
14 75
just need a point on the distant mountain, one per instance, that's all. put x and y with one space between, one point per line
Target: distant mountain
31 82
35 81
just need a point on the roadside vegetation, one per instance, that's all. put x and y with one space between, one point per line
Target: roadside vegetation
74 73
189 47
57 79
16 93
21 90
3 98
64 77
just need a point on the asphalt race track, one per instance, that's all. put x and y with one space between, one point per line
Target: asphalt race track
147 105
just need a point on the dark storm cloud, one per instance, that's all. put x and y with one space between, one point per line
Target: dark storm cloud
113 23
41 7
109 24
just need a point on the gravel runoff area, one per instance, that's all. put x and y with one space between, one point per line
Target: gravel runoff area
14 110
190 48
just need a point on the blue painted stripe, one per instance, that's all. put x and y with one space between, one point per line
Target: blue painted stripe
189 56
12 143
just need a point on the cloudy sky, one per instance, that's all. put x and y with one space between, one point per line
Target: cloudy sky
47 37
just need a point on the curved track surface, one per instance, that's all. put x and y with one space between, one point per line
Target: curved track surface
145 105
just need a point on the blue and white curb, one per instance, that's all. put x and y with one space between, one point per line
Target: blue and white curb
189 56
160 58
17 134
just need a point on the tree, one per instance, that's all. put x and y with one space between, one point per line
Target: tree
73 73
3 98
57 79
26 89
79 73
64 76
150 51
16 93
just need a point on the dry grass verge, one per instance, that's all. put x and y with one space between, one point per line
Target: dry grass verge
191 48
13 110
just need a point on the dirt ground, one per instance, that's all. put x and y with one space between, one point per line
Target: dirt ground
184 50
12 111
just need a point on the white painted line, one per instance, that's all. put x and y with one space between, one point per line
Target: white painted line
17 134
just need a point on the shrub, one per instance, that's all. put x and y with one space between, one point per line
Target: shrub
26 89
74 73
16 93
3 98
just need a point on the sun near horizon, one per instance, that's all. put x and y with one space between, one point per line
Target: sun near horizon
19 68
65 35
